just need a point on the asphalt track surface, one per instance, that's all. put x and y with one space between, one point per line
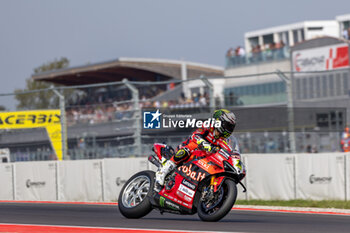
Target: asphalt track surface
109 216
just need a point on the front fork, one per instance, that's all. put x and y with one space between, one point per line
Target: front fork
210 196
215 182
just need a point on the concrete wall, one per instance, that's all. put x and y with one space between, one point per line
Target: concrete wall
322 176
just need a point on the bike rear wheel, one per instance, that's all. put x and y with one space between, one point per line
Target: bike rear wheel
224 199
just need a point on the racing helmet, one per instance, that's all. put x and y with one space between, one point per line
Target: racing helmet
228 122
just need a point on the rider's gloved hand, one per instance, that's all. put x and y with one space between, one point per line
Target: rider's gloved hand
204 145
207 146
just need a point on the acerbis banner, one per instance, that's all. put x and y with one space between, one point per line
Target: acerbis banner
49 119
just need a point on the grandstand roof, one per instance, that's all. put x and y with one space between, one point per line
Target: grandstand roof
134 69
318 42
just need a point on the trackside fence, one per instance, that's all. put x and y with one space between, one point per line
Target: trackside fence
277 112
323 176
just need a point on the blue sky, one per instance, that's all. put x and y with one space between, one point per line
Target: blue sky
33 32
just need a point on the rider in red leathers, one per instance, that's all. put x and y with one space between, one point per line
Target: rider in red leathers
208 139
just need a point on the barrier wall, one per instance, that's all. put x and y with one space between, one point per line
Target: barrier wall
6 182
347 177
117 171
80 180
36 181
320 176
269 176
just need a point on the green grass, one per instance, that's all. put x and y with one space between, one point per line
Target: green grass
299 203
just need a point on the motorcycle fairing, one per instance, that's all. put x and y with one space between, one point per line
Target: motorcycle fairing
182 192
167 203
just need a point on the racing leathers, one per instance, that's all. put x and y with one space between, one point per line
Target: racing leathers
203 139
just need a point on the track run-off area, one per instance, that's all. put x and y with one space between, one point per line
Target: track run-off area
105 217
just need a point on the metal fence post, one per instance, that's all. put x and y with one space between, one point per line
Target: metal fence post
63 123
57 181
137 114
13 181
211 92
290 109
345 177
185 89
295 175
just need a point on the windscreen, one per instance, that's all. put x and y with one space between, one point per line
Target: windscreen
233 142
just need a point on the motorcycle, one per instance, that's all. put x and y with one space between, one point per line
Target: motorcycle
206 184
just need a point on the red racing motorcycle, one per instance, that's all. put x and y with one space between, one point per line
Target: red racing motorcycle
205 184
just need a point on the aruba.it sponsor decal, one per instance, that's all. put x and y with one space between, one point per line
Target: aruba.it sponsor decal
194 175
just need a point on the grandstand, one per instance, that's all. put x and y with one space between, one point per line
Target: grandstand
101 119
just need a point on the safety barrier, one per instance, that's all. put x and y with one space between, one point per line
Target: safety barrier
323 176
269 177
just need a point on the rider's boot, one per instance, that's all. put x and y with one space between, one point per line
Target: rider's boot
164 170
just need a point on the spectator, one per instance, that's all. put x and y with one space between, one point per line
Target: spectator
256 51
345 142
241 51
203 100
171 86
195 97
156 104
165 104
81 143
280 45
229 53
240 55
279 53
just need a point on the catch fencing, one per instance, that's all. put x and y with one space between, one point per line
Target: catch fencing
102 119
322 176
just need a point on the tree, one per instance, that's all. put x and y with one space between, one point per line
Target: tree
42 99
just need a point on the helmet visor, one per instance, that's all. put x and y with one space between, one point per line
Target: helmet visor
228 127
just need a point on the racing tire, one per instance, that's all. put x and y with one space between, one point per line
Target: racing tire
229 198
133 201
